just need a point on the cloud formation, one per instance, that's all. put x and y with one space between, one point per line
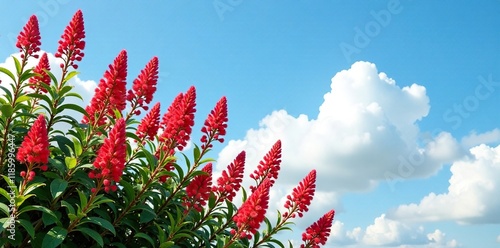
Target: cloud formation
366 132
472 196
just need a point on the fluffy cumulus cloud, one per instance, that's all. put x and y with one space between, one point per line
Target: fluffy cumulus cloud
385 232
472 195
366 132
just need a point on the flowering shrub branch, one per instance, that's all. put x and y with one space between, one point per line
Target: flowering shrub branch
112 180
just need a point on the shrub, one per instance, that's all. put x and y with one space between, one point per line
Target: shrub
112 180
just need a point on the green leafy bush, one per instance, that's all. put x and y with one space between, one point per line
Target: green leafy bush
111 180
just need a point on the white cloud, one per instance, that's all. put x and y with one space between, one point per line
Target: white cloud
472 195
366 131
385 232
474 139
498 239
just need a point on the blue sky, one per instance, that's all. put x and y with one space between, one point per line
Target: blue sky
421 109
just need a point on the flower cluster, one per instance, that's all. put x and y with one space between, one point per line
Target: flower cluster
72 43
144 86
178 122
110 93
28 40
301 197
268 167
252 212
149 124
198 190
42 77
215 125
34 150
111 158
230 180
319 231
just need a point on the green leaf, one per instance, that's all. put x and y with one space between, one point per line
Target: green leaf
167 244
147 215
38 208
54 237
71 209
22 98
27 226
146 237
32 187
70 162
5 209
100 222
8 73
93 234
78 147
57 187
6 110
71 106
17 64
70 75
83 198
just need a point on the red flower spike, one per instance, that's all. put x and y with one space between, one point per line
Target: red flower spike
230 181
252 212
28 40
198 190
178 122
110 94
268 167
302 195
72 43
35 147
215 124
319 231
149 124
145 84
43 77
111 157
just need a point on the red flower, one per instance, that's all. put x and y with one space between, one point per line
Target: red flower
150 123
215 124
72 43
302 195
198 190
178 122
252 212
28 40
43 77
110 93
35 147
319 231
111 157
145 85
230 181
268 167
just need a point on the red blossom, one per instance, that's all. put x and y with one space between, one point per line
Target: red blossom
111 157
150 124
110 94
268 167
35 147
252 212
319 231
144 85
215 125
43 77
28 40
178 122
230 181
198 190
72 43
301 197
